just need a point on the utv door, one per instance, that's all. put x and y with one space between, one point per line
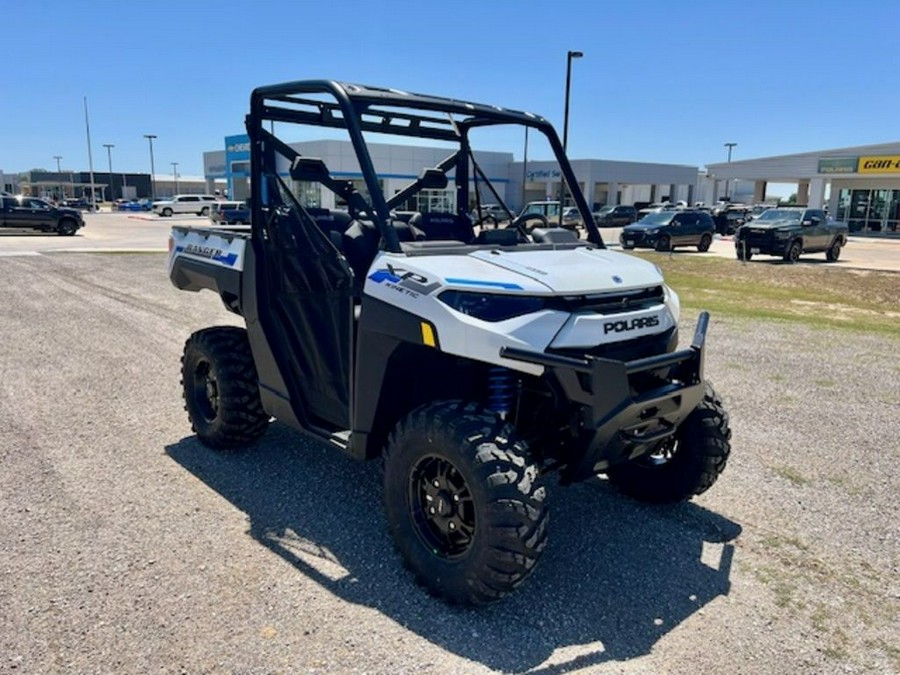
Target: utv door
305 306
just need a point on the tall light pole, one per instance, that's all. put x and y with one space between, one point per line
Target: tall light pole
150 138
729 146
562 190
58 178
109 147
175 175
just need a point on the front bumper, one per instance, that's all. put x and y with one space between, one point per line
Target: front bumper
639 239
628 407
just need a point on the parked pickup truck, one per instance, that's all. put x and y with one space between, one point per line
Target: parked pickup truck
36 214
198 204
789 232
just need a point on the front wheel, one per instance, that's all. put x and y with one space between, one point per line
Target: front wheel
204 211
743 251
663 244
67 227
686 464
792 255
463 503
166 212
221 388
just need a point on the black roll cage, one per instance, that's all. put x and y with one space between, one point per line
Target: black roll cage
360 108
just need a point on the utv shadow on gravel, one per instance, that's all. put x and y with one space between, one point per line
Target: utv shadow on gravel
618 576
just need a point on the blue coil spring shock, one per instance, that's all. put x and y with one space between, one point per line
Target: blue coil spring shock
501 390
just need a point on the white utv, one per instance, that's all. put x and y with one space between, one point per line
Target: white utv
475 362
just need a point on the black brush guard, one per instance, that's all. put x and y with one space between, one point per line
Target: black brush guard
625 422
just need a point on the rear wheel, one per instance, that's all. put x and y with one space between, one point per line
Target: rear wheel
834 252
792 255
705 242
221 388
462 501
685 465
204 211
664 244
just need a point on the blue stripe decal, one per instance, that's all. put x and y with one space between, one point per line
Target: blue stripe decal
486 284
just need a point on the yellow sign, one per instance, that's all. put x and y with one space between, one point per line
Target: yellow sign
880 164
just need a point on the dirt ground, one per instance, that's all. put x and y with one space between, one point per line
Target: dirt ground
126 546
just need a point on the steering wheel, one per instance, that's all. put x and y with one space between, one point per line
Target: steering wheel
524 231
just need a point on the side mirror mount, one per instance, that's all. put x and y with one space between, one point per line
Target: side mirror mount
310 169
433 179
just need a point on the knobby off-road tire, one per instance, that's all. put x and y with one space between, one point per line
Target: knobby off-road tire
834 252
463 502
221 388
684 466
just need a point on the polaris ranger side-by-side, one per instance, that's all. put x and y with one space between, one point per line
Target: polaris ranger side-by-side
474 361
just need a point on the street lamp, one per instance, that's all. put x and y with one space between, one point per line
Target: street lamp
150 138
729 146
109 147
569 56
175 175
58 171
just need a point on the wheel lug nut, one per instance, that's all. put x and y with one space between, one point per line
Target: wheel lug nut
452 526
431 510
436 484
456 498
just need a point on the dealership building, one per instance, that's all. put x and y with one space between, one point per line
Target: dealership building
859 185
601 181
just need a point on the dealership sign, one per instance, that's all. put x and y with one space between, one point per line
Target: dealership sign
880 164
838 164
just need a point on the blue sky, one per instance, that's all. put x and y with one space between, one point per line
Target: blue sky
659 81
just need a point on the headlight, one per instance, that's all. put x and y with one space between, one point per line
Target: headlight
673 302
651 231
780 234
489 306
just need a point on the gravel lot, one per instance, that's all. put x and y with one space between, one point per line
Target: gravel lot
125 546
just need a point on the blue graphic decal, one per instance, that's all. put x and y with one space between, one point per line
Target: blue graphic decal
229 259
485 284
384 275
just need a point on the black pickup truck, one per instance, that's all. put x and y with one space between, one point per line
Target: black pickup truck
32 213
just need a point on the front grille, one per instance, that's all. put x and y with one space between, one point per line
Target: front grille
757 237
612 303
627 350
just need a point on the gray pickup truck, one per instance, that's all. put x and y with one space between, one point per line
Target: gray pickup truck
32 213
789 232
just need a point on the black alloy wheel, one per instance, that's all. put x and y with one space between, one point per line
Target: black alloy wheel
664 243
442 507
705 242
792 255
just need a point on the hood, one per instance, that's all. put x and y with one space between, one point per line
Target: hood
581 270
643 227
771 224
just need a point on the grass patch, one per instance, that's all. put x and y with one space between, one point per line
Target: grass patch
816 295
791 474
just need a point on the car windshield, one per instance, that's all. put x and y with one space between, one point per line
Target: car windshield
658 218
606 209
779 214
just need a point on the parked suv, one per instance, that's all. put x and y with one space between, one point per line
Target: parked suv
790 232
36 214
199 204
615 216
229 213
665 230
